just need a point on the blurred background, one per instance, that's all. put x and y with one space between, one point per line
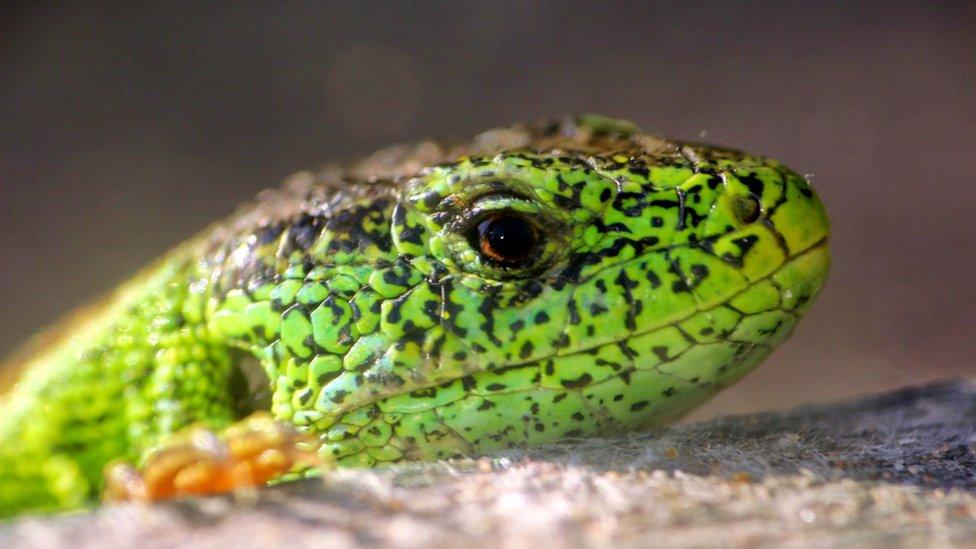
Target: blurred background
125 129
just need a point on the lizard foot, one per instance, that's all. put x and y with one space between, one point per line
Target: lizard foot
248 453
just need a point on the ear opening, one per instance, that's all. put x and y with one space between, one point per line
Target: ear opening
250 387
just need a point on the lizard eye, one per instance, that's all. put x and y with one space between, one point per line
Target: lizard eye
747 209
506 238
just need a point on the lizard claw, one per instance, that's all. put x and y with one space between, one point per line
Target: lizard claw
248 453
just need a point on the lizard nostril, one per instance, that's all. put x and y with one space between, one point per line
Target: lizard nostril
747 209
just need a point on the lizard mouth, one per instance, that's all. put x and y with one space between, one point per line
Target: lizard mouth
536 402
797 280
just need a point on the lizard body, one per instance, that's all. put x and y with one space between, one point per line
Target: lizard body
540 282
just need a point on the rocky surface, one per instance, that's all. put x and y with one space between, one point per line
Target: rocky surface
896 468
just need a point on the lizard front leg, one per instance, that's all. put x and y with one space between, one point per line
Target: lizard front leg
199 461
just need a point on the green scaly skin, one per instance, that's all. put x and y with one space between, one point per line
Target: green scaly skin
381 328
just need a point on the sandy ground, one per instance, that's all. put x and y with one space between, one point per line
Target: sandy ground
898 468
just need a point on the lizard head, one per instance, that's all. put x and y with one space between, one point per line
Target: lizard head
542 282
660 269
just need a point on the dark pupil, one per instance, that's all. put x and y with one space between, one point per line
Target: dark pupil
506 238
